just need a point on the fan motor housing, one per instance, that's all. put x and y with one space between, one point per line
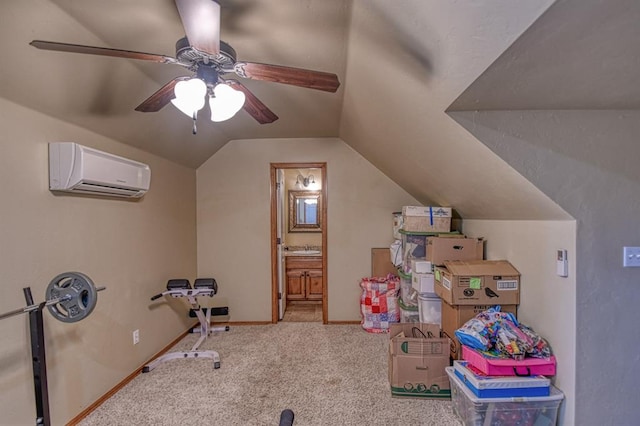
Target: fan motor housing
224 60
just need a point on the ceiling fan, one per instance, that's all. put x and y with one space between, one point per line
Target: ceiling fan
203 53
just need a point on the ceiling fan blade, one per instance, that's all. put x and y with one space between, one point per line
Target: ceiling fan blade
201 22
253 105
295 76
102 51
162 97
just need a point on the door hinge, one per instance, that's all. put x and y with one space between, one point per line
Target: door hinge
278 241
279 296
278 184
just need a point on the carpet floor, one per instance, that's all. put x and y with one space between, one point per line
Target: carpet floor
326 374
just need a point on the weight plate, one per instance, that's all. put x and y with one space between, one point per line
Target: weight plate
77 294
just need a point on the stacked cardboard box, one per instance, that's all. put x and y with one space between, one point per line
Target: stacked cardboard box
454 317
426 219
427 243
424 250
469 287
455 247
418 357
438 250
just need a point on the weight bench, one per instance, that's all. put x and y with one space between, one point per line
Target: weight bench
182 288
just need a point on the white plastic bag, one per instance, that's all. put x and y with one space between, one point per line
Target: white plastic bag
396 253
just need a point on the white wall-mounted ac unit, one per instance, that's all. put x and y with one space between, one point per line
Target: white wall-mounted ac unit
77 168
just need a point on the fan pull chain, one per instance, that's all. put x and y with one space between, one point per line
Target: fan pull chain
195 129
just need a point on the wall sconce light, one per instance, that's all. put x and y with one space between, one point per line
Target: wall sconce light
305 181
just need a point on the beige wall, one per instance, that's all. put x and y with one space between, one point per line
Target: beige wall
234 221
131 247
548 302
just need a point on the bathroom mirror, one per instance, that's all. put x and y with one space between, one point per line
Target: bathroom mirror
305 209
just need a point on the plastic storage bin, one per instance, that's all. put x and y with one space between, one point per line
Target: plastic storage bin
408 313
397 224
429 309
484 386
408 294
414 246
474 411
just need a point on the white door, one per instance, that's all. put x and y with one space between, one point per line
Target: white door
282 289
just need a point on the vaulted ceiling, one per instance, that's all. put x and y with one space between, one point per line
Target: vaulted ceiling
403 65
100 93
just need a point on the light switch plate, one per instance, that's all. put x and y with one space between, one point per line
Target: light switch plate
631 257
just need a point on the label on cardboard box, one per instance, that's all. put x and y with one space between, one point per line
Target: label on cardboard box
445 282
507 284
475 283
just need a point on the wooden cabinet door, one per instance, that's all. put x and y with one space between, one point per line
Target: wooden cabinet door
296 284
314 284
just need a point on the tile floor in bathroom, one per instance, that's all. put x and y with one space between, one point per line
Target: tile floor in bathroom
303 312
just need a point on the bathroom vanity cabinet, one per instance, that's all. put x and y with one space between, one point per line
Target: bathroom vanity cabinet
304 277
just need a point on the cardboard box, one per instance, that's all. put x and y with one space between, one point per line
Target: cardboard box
478 282
440 249
381 264
417 364
426 219
414 246
454 317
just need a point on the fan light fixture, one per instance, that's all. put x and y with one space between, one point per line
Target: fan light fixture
201 51
224 101
190 96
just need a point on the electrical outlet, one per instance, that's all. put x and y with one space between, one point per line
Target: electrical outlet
631 257
136 337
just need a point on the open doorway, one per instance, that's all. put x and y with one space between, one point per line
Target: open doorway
299 240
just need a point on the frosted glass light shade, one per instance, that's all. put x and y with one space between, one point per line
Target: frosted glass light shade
226 102
189 96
